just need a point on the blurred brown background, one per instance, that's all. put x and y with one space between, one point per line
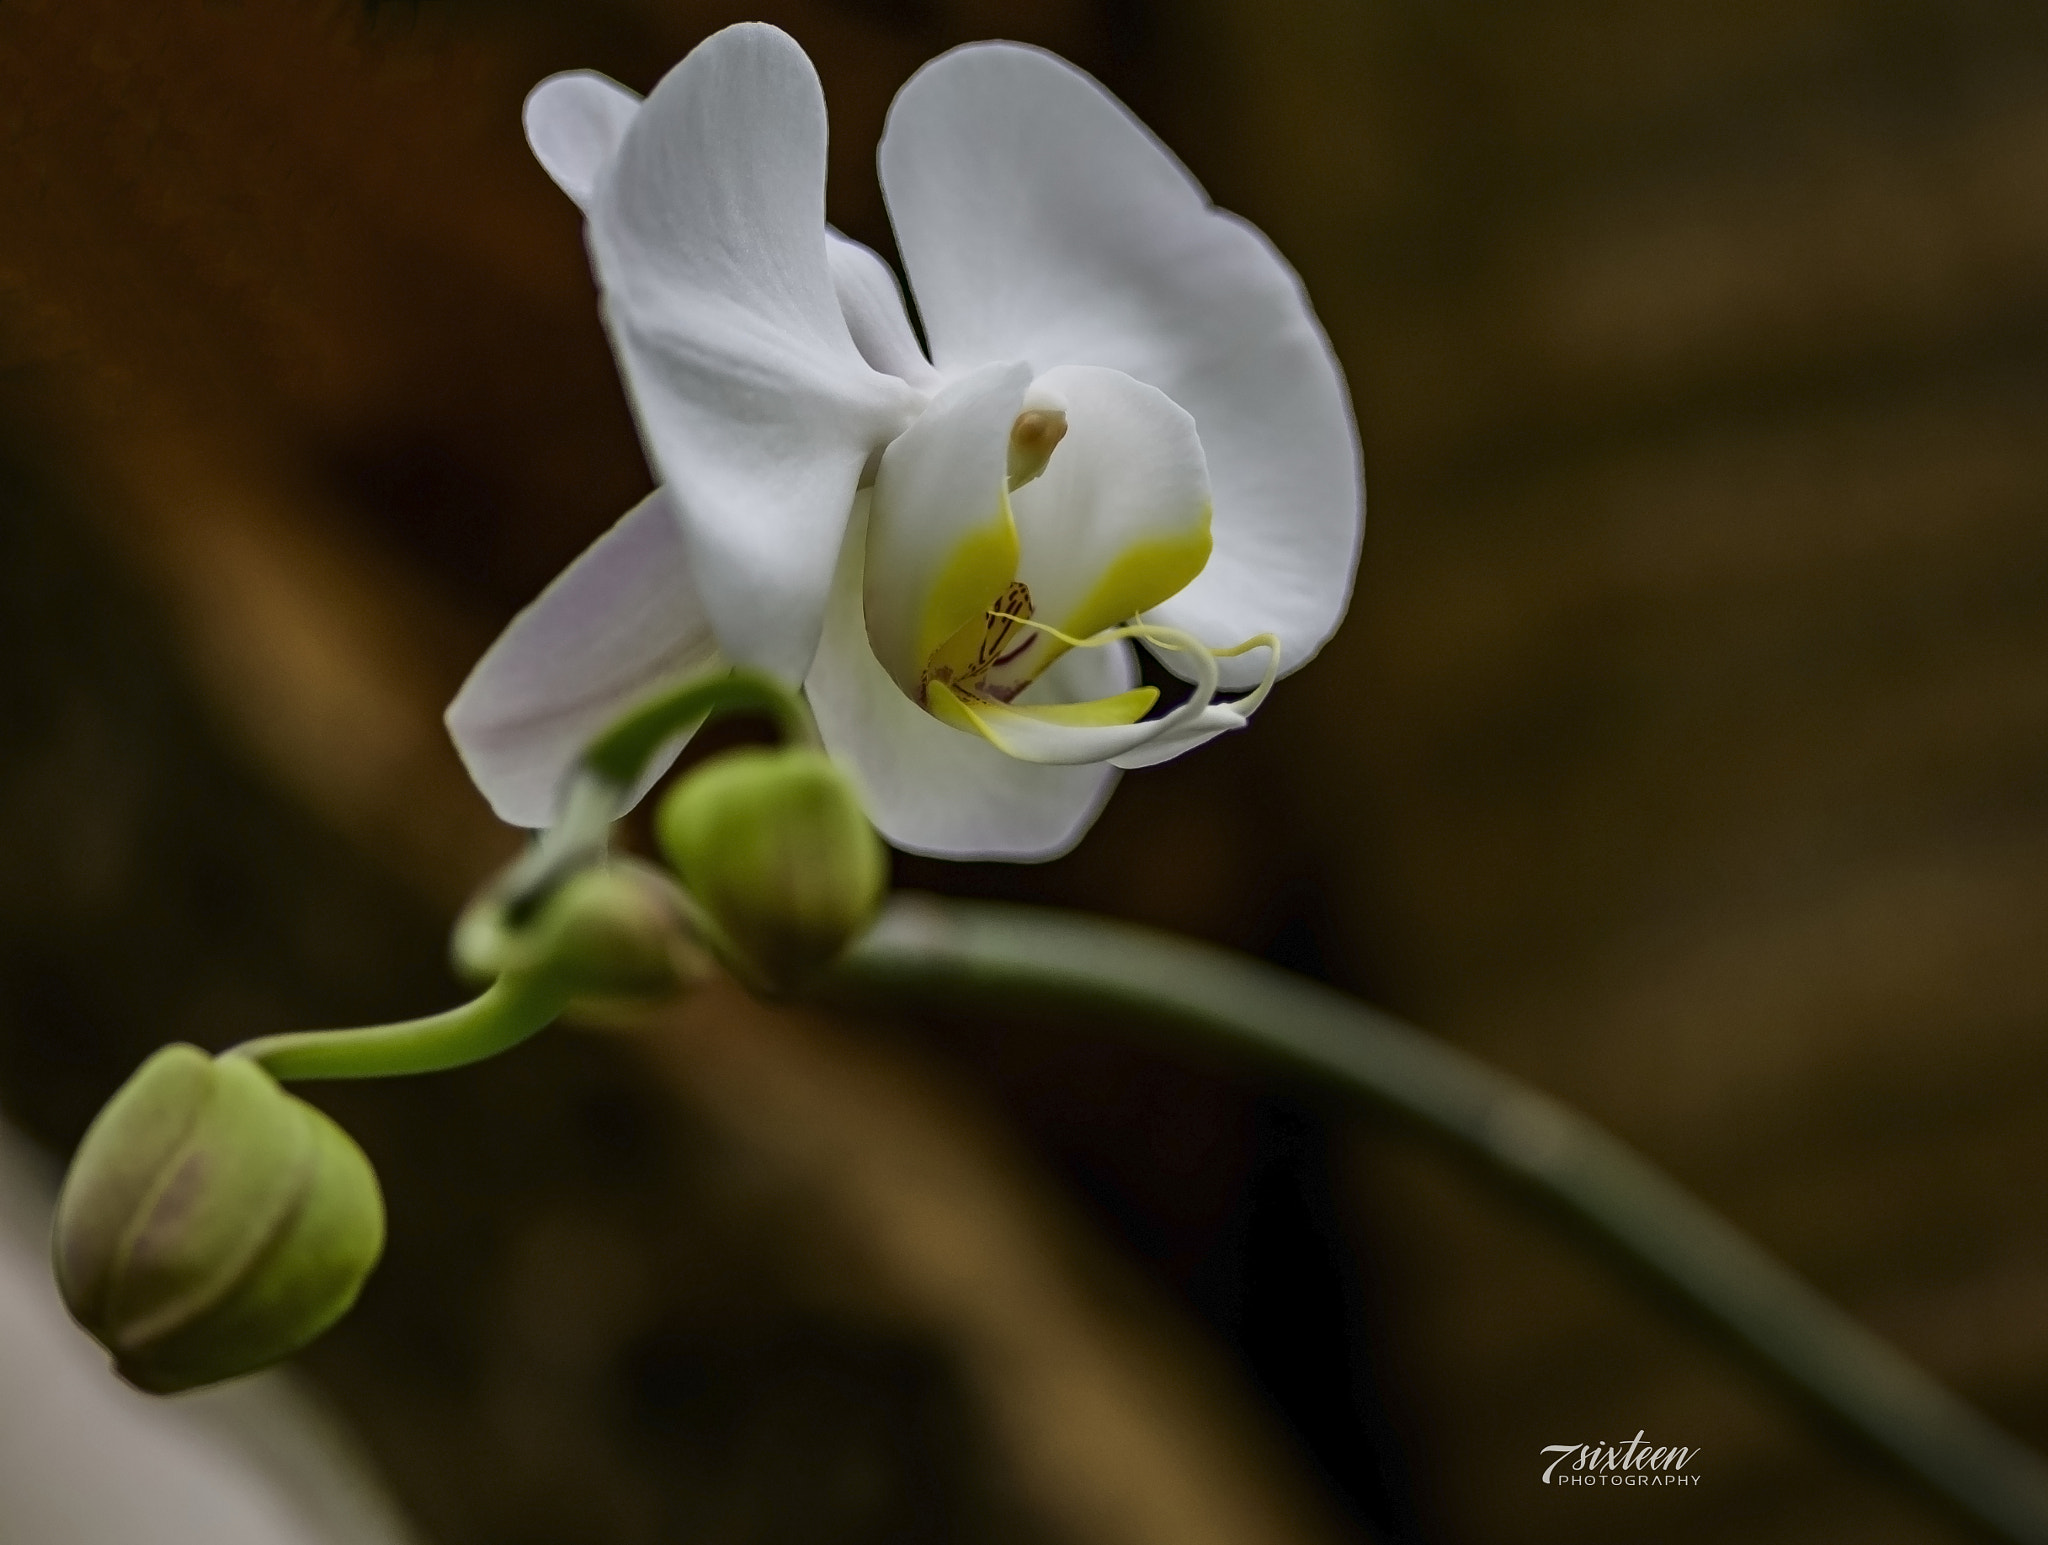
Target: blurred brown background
1686 752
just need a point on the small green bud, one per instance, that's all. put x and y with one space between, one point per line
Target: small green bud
212 1223
617 930
779 854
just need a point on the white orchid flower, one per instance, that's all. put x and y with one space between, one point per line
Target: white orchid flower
1129 426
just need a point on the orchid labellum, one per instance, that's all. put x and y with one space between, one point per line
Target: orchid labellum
1124 427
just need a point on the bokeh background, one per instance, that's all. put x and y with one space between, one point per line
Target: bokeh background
1686 752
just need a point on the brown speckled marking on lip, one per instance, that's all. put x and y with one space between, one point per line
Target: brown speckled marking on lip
995 651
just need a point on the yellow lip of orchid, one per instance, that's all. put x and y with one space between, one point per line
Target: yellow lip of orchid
1134 581
1105 728
1003 649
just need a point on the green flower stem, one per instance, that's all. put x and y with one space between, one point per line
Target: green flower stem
506 1013
613 763
621 752
981 958
520 1004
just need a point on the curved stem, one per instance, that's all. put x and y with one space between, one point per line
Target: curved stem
987 958
621 752
612 764
506 1013
518 1005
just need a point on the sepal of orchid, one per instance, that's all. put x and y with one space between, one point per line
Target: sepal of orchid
615 930
211 1223
778 854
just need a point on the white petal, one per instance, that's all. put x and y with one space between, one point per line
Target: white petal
873 306
574 122
1038 220
1120 518
931 789
615 624
940 544
708 232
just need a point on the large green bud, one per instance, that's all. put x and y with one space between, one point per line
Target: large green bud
779 854
212 1223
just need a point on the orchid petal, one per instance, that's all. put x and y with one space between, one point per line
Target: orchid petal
941 545
616 623
872 303
1038 220
574 122
707 229
928 788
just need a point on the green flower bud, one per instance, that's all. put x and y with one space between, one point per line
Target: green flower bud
776 849
616 931
212 1223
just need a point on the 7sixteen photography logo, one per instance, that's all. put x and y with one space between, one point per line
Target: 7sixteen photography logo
1634 1463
